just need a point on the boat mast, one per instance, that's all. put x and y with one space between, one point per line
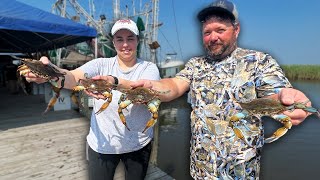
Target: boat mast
150 14
154 31
116 9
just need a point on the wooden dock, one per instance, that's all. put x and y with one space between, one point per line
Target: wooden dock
47 147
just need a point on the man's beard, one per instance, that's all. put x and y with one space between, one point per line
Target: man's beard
224 51
216 54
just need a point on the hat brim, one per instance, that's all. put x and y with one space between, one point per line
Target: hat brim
213 10
125 29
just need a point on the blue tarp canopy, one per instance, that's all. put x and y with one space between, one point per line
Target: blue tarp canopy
25 29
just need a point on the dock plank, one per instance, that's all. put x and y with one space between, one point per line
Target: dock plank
35 147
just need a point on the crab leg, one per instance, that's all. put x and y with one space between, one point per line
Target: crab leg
22 84
235 118
238 116
286 121
312 110
53 100
276 135
23 69
240 135
153 107
62 82
304 107
106 104
74 98
78 88
123 105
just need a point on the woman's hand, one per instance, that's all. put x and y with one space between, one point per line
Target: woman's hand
109 79
31 77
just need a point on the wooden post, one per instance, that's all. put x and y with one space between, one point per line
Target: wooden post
154 152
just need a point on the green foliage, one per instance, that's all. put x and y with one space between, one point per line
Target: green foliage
302 72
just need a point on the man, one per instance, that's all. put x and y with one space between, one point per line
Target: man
218 81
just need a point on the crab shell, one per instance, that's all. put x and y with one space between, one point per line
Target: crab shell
98 87
39 69
268 107
47 72
95 86
141 95
265 106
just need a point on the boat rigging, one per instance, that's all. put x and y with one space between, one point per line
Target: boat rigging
146 18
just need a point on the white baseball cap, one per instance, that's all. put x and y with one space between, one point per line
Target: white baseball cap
125 24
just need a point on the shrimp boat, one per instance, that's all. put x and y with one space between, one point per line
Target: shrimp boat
146 17
170 66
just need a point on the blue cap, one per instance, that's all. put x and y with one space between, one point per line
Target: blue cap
219 6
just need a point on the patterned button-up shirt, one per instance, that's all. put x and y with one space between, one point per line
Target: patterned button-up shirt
216 87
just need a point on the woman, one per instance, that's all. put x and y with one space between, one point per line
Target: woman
108 140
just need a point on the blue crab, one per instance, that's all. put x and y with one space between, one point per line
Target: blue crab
48 72
97 87
140 95
269 107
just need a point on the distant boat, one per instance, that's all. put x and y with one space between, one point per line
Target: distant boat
170 67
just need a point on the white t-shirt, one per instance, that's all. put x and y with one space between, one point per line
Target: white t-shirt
107 133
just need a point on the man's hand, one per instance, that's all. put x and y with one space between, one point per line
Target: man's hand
288 96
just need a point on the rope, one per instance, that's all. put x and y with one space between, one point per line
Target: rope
175 22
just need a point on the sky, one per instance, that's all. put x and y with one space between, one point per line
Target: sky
288 30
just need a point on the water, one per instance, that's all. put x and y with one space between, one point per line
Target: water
295 156
174 140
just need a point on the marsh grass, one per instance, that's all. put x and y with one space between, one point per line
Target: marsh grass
302 72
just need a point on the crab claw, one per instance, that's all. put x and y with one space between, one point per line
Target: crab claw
312 110
74 98
287 124
23 70
106 104
150 123
237 117
123 120
240 135
276 135
153 107
52 101
123 105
